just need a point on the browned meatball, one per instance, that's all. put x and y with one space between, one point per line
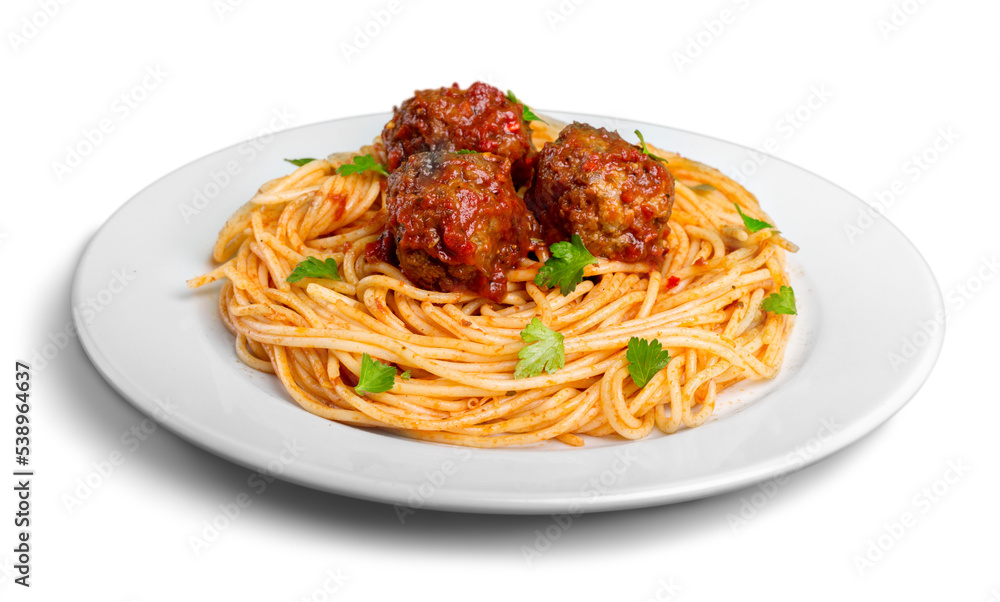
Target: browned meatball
455 222
593 183
450 119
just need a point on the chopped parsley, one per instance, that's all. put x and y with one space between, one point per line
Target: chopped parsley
753 225
314 268
565 266
375 377
645 359
645 149
526 112
362 163
546 351
300 162
781 302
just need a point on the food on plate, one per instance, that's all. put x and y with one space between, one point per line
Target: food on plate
593 183
481 118
455 223
408 286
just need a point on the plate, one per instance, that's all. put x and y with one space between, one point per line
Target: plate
870 328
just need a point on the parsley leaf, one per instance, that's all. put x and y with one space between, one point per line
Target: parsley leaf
781 302
642 142
703 187
466 151
362 163
525 111
645 359
300 162
529 115
547 351
375 377
753 225
314 268
565 266
406 375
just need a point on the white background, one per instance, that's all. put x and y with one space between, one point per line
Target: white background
886 77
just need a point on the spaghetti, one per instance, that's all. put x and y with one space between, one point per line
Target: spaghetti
703 305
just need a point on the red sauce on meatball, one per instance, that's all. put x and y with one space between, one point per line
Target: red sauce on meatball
480 118
455 222
593 183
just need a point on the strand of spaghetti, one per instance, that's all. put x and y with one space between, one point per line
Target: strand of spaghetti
208 277
713 238
460 331
649 396
293 302
678 249
411 313
716 264
613 402
731 278
443 405
404 355
652 290
463 318
374 300
387 348
541 302
302 181
690 170
559 428
378 413
275 313
282 370
233 232
679 337
237 272
316 215
277 271
618 305
503 350
288 221
684 314
598 297
412 291
553 410
670 424
248 358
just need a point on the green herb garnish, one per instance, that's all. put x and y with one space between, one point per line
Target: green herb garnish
362 163
314 268
525 111
645 359
565 266
642 142
375 377
752 225
546 351
781 302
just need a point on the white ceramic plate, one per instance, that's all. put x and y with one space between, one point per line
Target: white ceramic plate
866 339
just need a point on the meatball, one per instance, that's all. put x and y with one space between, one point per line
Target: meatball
455 222
450 119
593 183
